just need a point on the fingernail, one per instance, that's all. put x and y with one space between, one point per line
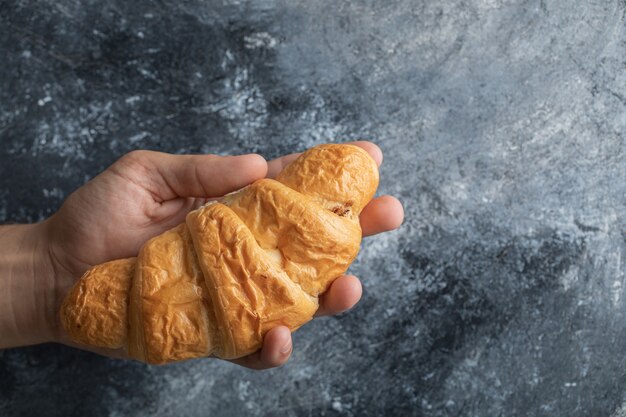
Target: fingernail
286 348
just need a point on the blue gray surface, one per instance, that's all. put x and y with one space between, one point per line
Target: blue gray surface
502 124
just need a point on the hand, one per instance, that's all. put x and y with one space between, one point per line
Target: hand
146 193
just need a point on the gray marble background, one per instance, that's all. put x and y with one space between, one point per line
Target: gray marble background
502 124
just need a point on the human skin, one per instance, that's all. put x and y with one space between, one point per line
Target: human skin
142 195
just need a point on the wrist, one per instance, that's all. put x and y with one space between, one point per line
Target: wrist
28 303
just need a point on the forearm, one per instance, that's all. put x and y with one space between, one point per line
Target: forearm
27 299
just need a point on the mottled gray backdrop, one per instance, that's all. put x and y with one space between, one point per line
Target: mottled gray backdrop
502 123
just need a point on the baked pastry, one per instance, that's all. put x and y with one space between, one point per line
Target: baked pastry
236 268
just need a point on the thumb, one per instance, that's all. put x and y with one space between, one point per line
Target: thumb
168 176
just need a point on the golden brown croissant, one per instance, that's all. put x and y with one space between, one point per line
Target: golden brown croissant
214 285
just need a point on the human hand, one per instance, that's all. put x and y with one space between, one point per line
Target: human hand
146 193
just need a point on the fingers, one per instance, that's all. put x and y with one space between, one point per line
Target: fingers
342 295
381 215
277 347
168 176
277 165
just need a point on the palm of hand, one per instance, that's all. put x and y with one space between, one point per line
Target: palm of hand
111 217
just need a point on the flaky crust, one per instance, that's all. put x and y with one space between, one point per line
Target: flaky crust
236 268
96 309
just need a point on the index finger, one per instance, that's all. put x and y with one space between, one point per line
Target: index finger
277 165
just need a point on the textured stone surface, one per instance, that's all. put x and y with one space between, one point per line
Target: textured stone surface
503 128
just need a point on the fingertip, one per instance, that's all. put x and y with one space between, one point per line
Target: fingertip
347 292
395 212
277 347
382 214
254 164
371 148
343 294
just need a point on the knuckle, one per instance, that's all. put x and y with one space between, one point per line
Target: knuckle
135 156
134 159
133 164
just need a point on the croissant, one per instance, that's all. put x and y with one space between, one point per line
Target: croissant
215 284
